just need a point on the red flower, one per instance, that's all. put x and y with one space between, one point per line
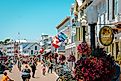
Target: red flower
94 69
83 48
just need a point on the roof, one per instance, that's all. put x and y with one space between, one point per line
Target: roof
29 45
63 22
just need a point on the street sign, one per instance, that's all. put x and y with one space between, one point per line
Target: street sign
106 35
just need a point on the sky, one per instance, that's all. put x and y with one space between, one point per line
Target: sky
28 19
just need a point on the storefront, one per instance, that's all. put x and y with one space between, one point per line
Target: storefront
115 48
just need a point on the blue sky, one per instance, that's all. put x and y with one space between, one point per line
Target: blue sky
31 17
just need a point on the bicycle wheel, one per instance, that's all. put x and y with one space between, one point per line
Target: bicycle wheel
59 79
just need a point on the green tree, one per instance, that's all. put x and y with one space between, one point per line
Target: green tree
1 42
6 41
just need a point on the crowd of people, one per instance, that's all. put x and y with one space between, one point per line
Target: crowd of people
27 68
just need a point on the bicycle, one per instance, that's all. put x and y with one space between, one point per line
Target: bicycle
65 78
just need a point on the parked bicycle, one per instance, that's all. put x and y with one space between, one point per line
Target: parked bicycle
65 74
66 77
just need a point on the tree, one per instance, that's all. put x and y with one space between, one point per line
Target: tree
1 42
6 41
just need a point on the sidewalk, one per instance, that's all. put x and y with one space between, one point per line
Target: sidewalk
16 75
47 77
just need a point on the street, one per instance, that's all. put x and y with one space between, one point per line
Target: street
16 75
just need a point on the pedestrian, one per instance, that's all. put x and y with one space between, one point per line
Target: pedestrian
10 66
5 77
33 67
44 69
26 73
19 65
50 67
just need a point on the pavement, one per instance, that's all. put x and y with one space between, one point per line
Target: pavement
16 75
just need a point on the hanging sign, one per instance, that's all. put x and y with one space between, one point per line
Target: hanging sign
106 35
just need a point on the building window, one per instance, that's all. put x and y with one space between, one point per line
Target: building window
100 22
104 19
32 52
116 7
113 9
35 47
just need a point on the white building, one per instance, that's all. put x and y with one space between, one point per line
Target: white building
20 47
45 43
64 26
107 13
29 48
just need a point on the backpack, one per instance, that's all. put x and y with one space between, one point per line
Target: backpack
26 73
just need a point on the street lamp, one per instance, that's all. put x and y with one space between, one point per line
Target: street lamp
84 24
92 17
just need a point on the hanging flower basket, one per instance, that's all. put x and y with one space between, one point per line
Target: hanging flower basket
71 58
83 48
95 68
62 58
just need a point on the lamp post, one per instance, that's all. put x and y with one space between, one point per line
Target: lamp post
84 24
92 16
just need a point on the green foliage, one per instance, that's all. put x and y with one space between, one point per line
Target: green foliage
1 42
6 41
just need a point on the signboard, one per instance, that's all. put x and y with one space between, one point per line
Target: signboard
106 35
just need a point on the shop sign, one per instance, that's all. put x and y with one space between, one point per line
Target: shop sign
106 35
